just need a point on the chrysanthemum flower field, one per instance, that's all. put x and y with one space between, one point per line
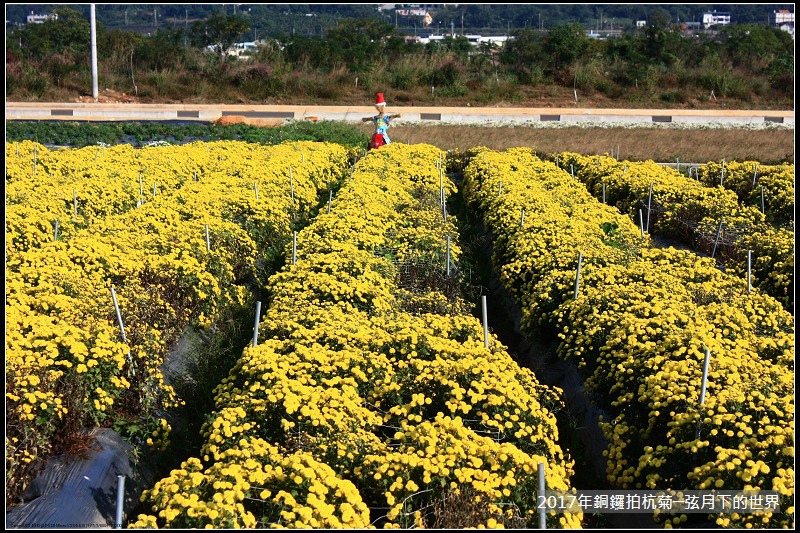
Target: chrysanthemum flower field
369 401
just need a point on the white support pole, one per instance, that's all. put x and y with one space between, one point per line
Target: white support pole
705 378
75 204
255 186
448 256
330 199
755 176
291 183
522 219
542 510
120 501
93 36
749 269
649 206
55 232
208 240
722 173
255 325
578 275
716 240
703 386
485 322
294 247
763 207
641 223
121 326
604 192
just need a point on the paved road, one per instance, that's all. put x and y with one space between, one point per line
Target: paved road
463 115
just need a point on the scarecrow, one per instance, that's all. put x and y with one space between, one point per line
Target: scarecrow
381 121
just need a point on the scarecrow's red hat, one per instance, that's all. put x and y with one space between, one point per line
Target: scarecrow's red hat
379 99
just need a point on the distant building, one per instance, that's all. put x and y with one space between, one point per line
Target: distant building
716 18
38 19
474 40
783 20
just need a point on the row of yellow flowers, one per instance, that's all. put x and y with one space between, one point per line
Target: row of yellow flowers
748 178
66 364
691 212
77 188
638 330
354 412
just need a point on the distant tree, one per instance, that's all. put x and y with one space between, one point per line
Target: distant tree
564 45
754 46
219 31
523 53
68 34
359 42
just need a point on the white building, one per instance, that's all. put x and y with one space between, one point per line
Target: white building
716 18
38 19
783 20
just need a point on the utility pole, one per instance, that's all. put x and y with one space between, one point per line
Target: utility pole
93 35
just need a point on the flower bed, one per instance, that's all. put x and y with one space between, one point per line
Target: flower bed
638 328
360 410
68 365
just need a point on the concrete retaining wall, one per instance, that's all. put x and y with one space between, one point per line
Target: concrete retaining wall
462 115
